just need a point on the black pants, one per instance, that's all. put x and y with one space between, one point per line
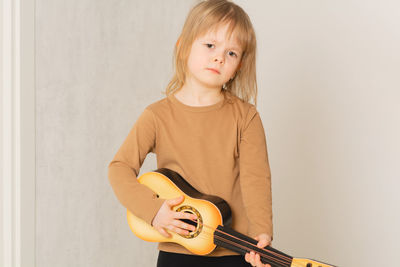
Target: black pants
168 259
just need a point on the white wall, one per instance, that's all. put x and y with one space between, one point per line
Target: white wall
329 84
329 95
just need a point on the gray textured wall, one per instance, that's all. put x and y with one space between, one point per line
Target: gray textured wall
99 63
329 84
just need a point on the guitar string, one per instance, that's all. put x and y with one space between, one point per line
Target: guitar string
201 236
285 259
247 249
282 257
272 259
285 263
252 245
275 261
289 263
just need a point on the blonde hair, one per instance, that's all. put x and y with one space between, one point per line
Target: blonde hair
207 16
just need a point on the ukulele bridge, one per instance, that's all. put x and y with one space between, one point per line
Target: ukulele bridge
198 223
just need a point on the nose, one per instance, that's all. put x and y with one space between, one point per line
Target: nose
219 58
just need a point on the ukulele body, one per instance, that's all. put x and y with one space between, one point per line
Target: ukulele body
211 211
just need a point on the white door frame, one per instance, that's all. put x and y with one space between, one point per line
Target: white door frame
17 135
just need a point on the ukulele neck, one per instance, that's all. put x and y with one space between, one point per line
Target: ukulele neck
235 241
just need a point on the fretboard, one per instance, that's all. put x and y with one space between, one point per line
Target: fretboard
235 241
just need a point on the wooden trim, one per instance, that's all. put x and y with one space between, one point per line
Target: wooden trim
17 133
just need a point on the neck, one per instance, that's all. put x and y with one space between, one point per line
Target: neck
232 240
195 95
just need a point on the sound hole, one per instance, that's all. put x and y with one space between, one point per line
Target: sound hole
197 223
194 223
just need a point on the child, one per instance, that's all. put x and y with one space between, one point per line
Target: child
206 130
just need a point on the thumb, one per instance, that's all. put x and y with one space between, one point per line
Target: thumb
175 201
262 242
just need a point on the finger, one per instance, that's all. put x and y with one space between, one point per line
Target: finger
163 232
262 243
177 230
247 257
263 240
252 258
257 260
183 225
175 201
185 215
259 243
178 216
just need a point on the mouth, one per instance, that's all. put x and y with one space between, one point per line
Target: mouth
213 70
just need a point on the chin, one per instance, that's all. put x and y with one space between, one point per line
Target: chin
210 84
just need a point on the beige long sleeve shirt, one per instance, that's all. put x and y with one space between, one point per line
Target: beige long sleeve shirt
219 149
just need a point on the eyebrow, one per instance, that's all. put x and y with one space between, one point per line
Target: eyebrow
234 47
215 41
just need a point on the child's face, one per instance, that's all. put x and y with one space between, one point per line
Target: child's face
213 59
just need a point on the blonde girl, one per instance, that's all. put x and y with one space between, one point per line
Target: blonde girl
206 130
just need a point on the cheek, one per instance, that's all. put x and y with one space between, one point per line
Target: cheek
195 62
232 69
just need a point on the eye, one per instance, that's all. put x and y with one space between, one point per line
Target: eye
231 53
209 45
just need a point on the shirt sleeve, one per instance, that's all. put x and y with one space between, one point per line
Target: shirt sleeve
255 175
124 169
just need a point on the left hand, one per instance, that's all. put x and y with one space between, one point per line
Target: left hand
254 258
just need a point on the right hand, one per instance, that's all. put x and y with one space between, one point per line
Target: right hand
166 218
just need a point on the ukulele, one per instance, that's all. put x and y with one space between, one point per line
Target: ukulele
212 223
